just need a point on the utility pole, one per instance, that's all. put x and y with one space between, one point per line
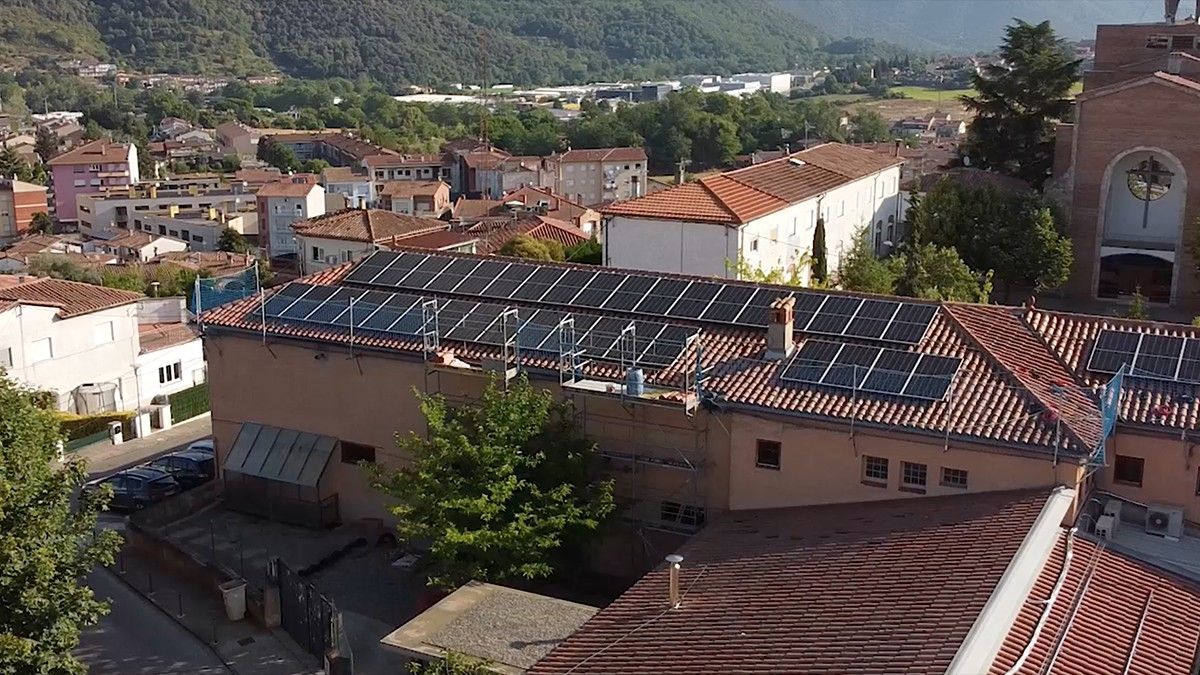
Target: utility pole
481 65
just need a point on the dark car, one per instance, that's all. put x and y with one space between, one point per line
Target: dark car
189 467
136 488
204 446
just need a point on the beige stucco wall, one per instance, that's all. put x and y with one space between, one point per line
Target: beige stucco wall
825 465
1171 473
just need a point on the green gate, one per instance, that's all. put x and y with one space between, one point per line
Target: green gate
189 403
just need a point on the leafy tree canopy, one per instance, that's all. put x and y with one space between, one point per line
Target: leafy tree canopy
502 489
46 544
524 246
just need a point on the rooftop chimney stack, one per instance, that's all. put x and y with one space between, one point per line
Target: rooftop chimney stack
673 562
780 330
1171 7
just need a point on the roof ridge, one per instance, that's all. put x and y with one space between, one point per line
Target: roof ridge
1072 422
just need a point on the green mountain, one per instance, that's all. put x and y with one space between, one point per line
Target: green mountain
420 41
965 26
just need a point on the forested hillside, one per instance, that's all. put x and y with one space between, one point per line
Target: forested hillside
423 41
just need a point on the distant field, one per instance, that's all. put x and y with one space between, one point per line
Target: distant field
928 94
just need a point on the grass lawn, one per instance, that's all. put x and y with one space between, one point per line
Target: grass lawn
928 94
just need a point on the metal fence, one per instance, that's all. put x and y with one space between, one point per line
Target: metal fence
310 618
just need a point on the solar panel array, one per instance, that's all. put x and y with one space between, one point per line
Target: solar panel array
1160 357
872 369
649 343
604 290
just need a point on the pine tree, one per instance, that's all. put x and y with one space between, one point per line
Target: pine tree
1019 100
820 260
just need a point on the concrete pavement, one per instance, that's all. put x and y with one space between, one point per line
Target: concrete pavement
137 638
104 458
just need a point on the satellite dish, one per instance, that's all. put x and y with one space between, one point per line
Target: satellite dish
966 160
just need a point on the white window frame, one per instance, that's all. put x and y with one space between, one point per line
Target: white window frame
35 355
6 358
172 372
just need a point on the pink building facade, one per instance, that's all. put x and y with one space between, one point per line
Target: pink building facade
93 167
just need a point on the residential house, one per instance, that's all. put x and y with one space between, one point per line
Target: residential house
125 208
18 202
134 245
201 229
17 257
281 204
548 203
357 187
170 351
481 172
494 233
335 147
334 238
170 128
763 215
90 168
394 167
805 397
602 174
238 139
416 198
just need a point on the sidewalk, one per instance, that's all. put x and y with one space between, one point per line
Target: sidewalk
244 647
104 458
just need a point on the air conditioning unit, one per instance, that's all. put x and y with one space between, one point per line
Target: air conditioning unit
1165 521
1113 508
1105 526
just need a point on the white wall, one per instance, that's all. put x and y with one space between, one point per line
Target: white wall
777 240
283 211
1123 212
152 369
78 356
344 250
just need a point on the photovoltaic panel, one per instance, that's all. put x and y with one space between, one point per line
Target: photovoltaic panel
629 293
598 289
475 320
481 277
395 314
851 366
602 336
370 266
805 307
667 345
1189 368
309 302
1114 348
872 319
891 372
910 323
728 304
509 281
425 272
502 325
540 332
284 297
566 288
1158 357
450 316
662 296
335 310
932 377
834 315
756 312
812 361
453 275
397 270
692 303
542 280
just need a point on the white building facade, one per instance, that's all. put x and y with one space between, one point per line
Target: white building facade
765 216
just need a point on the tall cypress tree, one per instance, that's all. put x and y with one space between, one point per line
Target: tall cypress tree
1019 100
820 261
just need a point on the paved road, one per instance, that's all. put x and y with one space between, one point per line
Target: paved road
139 639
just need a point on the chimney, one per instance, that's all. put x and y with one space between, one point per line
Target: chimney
154 191
1174 63
896 151
780 338
673 561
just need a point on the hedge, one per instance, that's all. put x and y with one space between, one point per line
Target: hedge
79 426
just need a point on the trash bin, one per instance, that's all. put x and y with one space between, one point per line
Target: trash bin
234 594
116 433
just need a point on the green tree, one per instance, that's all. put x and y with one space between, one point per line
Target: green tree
792 275
41 223
868 126
454 663
524 246
861 270
1139 306
46 144
230 163
279 156
313 166
1019 100
938 273
820 259
232 241
502 489
588 253
46 545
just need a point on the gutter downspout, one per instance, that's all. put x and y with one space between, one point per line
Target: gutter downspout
978 651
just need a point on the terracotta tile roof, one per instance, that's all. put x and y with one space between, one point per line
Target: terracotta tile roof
342 174
1145 403
38 243
972 177
1131 618
877 587
1159 76
217 263
485 159
604 155
101 151
395 160
994 399
495 235
739 196
471 209
434 241
72 298
258 176
155 336
355 147
368 225
412 188
286 188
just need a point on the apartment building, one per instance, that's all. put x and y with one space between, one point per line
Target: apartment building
201 229
416 198
357 187
394 167
18 202
281 204
799 398
92 167
764 215
238 139
602 174
125 208
337 148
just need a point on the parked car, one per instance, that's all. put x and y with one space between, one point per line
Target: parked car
136 488
204 445
189 467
